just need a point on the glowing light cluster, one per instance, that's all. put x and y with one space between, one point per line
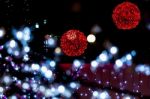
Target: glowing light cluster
101 95
142 68
42 75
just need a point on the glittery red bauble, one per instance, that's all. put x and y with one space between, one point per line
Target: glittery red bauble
73 43
126 15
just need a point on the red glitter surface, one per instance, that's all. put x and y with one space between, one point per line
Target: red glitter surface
73 43
126 15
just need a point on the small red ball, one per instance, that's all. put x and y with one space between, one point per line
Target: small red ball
73 43
126 15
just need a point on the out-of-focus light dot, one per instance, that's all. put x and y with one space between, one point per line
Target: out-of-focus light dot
61 89
43 69
91 38
73 85
95 94
19 35
26 49
147 70
128 57
77 63
35 96
140 68
51 42
12 43
34 87
52 63
26 57
45 21
1 33
26 68
96 29
37 25
9 50
127 97
27 31
48 93
0 55
113 50
125 82
148 26
104 95
35 67
42 89
58 50
118 63
103 57
94 64
6 79
16 53
26 37
67 94
13 97
1 89
53 89
1 47
48 74
141 81
133 53
25 86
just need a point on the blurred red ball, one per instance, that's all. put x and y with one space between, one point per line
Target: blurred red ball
73 43
126 15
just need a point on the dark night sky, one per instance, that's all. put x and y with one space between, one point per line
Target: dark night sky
61 17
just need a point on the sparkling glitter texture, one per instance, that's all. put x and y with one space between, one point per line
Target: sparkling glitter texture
126 16
73 43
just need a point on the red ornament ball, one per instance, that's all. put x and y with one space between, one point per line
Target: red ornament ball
73 43
126 15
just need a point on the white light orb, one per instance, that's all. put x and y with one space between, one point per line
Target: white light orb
12 44
73 85
95 94
103 57
37 25
43 69
128 57
113 50
25 86
16 53
76 63
91 38
48 74
94 64
52 63
51 42
61 89
42 89
104 95
26 49
19 35
35 67
7 79
1 89
119 63
1 33
13 97
126 97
